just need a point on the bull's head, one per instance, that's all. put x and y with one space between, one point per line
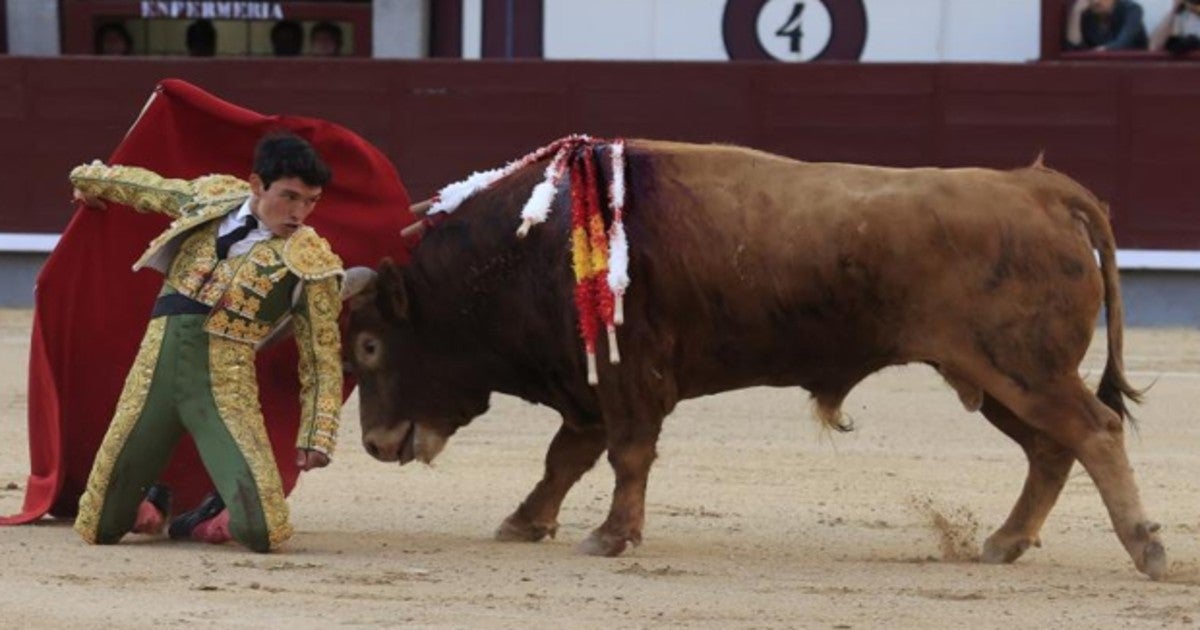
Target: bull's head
414 379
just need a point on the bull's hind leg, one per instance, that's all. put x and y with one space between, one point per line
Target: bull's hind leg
1076 419
573 451
1049 465
1102 453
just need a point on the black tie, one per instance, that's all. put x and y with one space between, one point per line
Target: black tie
238 233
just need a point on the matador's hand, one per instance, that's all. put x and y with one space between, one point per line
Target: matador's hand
308 459
89 201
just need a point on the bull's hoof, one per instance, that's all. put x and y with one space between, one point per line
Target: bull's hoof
517 528
1154 561
600 543
1001 548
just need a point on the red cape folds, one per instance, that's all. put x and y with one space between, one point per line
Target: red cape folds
91 309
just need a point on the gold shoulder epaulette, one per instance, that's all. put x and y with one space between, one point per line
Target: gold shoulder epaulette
212 187
309 256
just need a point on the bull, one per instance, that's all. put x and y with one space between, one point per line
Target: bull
751 269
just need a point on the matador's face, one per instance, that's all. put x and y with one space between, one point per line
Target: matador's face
283 206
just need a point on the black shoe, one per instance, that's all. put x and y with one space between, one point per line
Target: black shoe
182 527
160 497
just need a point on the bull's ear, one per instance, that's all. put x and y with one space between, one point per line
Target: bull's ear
363 298
391 297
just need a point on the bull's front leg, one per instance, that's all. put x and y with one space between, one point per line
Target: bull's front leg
573 451
631 451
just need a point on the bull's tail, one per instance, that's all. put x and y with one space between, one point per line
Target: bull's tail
1114 388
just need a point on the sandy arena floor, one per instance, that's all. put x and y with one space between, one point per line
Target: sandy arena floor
755 519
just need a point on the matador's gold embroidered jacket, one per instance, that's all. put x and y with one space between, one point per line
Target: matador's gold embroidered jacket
251 295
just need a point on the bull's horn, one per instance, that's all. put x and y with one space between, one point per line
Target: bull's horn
420 209
357 279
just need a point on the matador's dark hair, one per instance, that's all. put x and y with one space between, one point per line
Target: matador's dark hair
284 154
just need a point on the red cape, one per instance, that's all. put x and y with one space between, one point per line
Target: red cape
91 310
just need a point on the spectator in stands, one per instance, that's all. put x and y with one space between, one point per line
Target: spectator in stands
112 39
287 38
325 40
1179 30
201 39
1105 25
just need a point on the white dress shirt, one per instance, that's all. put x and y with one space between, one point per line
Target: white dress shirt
236 219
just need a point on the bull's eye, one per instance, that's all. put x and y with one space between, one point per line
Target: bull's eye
367 351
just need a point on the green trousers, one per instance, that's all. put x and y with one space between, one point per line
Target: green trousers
185 379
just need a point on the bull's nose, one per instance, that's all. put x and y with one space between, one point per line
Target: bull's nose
382 445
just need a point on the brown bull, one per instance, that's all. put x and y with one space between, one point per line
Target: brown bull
751 269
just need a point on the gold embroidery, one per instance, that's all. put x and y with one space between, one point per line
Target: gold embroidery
264 256
260 285
146 191
189 203
319 342
211 187
191 267
324 434
143 190
327 337
237 289
129 409
217 283
217 321
309 256
238 302
238 293
266 270
235 390
202 214
221 324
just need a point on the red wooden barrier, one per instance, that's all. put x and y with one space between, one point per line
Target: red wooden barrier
1126 130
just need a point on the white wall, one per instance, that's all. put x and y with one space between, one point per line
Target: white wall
472 29
32 28
633 29
1155 11
399 29
897 30
1007 30
953 30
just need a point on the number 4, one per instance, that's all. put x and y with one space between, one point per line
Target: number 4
791 28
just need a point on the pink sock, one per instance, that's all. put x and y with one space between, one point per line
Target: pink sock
215 530
149 519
